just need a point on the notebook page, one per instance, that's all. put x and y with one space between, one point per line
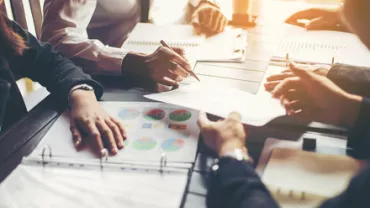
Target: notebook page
311 173
322 46
145 38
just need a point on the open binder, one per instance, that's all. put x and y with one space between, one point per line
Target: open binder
48 181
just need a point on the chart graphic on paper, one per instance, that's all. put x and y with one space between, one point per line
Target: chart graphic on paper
128 113
144 143
180 115
152 129
171 145
155 114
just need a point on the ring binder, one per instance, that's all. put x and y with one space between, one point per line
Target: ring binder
104 153
46 147
163 161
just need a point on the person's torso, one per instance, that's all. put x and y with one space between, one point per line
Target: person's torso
14 107
113 20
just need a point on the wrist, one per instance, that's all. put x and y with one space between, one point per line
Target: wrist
231 145
350 109
134 63
80 95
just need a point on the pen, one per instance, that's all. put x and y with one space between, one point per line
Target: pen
332 61
190 71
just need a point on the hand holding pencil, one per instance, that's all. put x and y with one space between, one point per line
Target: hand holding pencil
190 71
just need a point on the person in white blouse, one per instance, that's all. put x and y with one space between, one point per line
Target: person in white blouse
91 33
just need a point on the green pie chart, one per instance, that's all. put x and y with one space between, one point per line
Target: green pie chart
144 143
180 115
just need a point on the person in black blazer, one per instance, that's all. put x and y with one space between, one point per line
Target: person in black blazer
233 181
22 55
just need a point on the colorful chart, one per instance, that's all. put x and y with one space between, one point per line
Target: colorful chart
172 145
128 114
180 115
155 114
144 143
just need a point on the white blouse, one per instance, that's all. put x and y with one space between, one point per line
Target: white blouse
91 32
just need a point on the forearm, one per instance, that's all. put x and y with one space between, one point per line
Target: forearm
355 80
235 184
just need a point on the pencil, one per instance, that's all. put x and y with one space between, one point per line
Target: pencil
190 71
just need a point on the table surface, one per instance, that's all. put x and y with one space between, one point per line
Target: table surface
24 137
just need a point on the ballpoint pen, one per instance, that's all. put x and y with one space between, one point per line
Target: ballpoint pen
287 59
190 71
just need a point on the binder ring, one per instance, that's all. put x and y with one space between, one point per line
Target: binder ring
104 153
44 151
163 161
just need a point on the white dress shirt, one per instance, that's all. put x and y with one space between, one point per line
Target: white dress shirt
91 32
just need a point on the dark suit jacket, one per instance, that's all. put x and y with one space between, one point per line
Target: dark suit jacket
40 63
236 185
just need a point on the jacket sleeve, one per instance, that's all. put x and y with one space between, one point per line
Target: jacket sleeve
355 80
65 27
359 134
235 184
42 64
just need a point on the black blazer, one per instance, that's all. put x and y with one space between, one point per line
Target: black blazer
40 63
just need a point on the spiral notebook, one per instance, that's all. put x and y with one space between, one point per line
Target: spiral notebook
47 181
227 46
299 178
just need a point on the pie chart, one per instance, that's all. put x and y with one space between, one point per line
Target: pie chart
180 115
155 114
128 113
172 145
144 143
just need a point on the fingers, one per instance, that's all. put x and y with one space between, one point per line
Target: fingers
173 76
281 76
178 70
168 82
304 74
76 135
94 134
117 135
285 86
270 86
108 136
203 121
179 51
174 57
212 20
304 14
320 23
235 116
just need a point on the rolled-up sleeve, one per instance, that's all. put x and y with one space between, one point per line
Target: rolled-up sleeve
65 27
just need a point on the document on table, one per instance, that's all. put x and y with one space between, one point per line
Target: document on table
152 129
322 47
222 100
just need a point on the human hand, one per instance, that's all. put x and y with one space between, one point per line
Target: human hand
208 19
224 135
275 79
163 66
318 19
312 97
89 119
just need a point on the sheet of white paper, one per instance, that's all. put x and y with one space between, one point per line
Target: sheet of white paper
322 46
38 187
222 100
152 129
